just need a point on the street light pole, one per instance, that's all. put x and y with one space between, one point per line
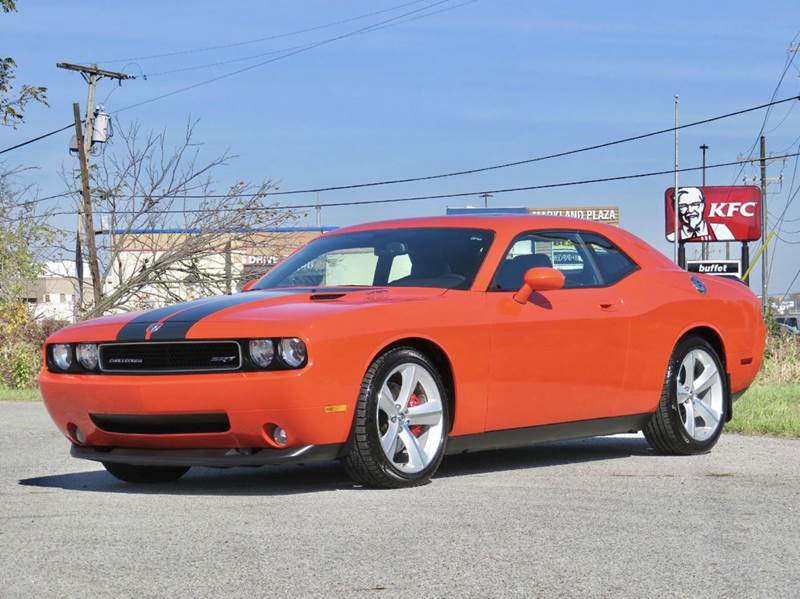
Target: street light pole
704 247
764 214
676 228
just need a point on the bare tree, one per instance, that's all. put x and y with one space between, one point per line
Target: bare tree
167 236
24 234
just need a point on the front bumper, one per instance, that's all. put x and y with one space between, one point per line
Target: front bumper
299 401
212 458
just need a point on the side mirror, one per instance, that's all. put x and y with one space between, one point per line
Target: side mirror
539 279
249 284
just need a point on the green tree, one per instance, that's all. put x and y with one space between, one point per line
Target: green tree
14 101
22 234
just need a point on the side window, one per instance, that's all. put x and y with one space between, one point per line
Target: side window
611 262
556 249
401 267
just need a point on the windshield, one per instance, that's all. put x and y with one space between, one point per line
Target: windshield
446 258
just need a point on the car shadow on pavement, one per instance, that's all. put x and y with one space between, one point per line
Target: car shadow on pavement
543 455
315 478
264 481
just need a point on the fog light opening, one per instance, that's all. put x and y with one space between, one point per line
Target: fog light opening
276 435
76 434
279 436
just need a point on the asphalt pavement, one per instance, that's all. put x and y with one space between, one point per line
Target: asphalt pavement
603 517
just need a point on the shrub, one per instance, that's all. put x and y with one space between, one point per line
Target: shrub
19 363
781 360
20 350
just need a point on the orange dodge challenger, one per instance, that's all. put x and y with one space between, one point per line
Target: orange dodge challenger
390 344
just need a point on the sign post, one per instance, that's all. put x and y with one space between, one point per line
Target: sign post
746 262
678 244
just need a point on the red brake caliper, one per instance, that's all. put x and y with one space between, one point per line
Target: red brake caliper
416 429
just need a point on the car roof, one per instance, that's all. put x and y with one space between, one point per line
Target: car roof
509 225
497 222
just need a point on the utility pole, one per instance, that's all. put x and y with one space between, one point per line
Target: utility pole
87 223
678 246
486 195
764 270
704 245
228 268
83 136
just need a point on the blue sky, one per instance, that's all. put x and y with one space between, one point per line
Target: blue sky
487 82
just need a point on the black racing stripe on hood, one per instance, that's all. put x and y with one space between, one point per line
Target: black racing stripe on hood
175 329
135 329
179 318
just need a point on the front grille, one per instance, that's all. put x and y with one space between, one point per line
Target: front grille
162 424
163 357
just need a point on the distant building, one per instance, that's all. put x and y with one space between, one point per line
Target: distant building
601 214
52 294
225 269
790 304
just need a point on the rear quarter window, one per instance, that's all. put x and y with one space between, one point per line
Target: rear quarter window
612 263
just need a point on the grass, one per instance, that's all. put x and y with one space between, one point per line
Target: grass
31 394
768 409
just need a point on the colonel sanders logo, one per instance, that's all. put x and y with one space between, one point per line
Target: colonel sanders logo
692 215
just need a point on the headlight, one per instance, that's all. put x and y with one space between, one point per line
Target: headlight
87 355
293 351
262 351
62 356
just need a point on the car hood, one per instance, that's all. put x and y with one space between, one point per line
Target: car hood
216 317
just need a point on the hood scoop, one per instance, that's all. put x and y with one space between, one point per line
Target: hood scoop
326 296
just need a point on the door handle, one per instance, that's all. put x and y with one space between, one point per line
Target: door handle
608 306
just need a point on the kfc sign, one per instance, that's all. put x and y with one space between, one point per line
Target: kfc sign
731 213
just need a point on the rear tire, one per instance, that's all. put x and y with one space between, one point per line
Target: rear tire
401 422
691 411
145 474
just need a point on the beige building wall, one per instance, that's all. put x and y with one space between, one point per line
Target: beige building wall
203 274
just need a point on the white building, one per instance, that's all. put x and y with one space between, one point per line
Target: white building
52 294
212 271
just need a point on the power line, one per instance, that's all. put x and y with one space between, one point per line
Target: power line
64 194
30 141
783 120
790 197
469 171
281 57
399 19
264 39
220 63
307 45
787 65
426 197
508 164
789 288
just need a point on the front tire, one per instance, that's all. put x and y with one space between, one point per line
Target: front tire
145 474
691 412
401 422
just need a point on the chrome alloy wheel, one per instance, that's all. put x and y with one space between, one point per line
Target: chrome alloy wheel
700 394
410 418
